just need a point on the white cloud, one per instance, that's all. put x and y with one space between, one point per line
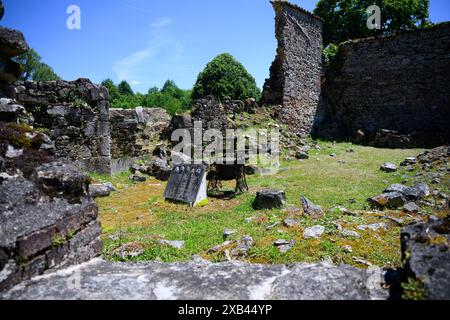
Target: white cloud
127 67
162 22
144 68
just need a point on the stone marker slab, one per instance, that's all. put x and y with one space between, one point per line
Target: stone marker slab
187 183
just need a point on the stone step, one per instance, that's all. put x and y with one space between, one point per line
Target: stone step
199 279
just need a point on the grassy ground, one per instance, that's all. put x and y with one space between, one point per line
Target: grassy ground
138 214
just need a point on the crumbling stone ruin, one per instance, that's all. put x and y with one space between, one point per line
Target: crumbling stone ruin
295 75
51 130
215 114
389 91
47 218
135 133
12 44
425 248
73 114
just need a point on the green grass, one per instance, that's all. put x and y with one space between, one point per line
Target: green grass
139 213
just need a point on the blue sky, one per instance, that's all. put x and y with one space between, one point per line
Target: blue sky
148 41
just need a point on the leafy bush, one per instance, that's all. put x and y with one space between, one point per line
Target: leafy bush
170 97
225 76
329 53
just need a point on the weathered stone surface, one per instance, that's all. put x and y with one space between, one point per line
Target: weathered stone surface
243 246
101 190
10 111
350 233
290 222
284 245
75 116
353 100
388 200
227 233
183 121
415 192
12 43
425 246
135 133
177 244
137 177
161 170
295 75
203 280
310 209
397 188
411 207
373 226
388 167
59 177
313 232
437 154
20 197
212 113
408 162
269 199
393 139
35 219
128 250
301 155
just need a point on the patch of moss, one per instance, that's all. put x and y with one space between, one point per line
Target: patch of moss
202 203
59 239
20 261
17 135
414 289
438 240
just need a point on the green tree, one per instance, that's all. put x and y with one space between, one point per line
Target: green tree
44 72
225 76
153 90
112 89
34 69
170 97
346 19
125 88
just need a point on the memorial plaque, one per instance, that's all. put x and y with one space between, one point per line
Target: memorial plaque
187 183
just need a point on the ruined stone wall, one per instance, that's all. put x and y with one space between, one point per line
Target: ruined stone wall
295 75
48 219
74 114
135 133
398 83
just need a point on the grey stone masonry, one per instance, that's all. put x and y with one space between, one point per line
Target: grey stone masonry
295 75
74 114
389 91
47 221
135 134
